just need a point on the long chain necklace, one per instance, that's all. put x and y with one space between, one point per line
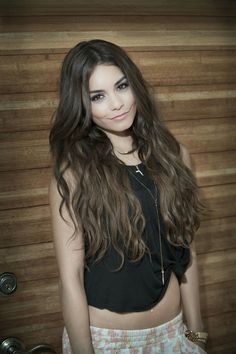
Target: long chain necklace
158 219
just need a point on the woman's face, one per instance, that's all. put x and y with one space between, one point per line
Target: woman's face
112 101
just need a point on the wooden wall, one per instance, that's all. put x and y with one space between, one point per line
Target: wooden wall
187 50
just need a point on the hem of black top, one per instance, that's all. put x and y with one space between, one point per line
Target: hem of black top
115 309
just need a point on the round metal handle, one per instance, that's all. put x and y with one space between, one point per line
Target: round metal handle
14 345
8 283
11 346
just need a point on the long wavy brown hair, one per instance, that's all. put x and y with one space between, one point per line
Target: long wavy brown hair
100 200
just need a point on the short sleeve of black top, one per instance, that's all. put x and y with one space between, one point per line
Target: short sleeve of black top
137 286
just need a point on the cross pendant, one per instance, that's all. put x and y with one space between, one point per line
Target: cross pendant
138 170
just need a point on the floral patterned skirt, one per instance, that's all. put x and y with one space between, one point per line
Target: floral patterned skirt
167 338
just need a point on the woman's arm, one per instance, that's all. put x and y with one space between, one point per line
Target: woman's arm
190 294
190 286
70 260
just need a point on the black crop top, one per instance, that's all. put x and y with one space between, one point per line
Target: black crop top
137 286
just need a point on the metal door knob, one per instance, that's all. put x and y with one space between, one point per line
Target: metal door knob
8 283
14 345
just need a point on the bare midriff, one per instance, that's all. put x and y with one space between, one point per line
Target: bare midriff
165 310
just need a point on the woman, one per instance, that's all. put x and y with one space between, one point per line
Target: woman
125 208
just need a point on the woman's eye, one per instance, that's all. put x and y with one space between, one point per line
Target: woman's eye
97 97
123 86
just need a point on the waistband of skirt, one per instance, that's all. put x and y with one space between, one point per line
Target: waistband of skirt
167 329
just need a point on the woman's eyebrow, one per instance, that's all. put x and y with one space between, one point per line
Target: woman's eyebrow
117 83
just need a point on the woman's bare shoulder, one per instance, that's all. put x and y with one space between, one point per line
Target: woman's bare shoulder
186 158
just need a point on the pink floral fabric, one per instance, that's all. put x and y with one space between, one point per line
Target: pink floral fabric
167 338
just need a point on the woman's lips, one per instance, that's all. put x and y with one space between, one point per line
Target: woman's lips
120 116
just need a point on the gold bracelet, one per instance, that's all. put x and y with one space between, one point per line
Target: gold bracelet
196 336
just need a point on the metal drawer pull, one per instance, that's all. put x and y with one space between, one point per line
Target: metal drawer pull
14 345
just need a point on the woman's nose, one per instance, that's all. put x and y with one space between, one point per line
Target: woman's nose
115 102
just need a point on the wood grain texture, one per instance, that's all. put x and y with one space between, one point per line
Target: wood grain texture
205 135
35 330
214 167
222 329
31 262
24 150
32 297
220 200
133 7
30 73
23 226
213 298
196 102
24 188
216 235
27 111
86 23
41 34
211 270
16 43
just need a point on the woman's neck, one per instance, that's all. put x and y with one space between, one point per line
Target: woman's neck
123 147
122 143
125 152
